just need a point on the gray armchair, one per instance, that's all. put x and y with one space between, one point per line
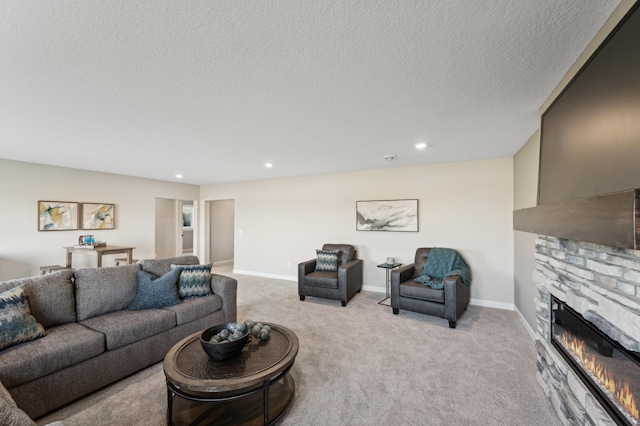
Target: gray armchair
449 302
341 284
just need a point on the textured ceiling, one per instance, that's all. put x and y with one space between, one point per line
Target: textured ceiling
213 89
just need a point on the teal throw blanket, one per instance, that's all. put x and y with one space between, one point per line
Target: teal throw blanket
442 263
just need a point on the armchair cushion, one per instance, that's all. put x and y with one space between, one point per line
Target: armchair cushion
418 291
327 260
325 279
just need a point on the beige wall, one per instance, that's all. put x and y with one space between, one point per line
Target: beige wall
525 191
222 230
467 206
23 249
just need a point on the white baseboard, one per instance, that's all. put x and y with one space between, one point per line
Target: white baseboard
526 325
262 274
374 289
492 304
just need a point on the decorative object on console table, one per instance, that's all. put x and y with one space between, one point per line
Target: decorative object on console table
89 242
57 216
98 216
387 215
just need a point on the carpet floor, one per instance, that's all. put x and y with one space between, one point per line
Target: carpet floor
362 365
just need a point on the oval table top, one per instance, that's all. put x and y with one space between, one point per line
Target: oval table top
188 367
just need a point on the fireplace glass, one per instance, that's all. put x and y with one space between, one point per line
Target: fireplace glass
611 372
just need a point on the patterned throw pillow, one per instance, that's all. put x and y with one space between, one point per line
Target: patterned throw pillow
195 280
156 292
327 260
17 325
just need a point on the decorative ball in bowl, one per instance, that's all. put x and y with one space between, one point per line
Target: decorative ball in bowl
224 341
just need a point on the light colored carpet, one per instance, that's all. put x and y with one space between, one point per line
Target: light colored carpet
362 365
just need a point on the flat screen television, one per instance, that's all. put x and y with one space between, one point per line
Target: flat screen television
590 135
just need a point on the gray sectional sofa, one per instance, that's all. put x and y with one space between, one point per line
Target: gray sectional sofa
92 338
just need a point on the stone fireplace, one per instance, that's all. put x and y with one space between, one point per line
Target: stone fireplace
602 285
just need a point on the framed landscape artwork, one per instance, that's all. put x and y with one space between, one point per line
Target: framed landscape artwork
98 216
387 215
57 216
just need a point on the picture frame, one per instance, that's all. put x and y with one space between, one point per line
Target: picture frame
57 215
387 215
100 216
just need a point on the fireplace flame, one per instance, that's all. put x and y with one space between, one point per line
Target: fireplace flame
620 391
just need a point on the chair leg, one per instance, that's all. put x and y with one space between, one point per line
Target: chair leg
396 311
452 324
301 297
344 303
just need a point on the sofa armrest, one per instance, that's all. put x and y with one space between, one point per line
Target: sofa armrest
400 275
10 414
304 268
456 297
227 288
350 278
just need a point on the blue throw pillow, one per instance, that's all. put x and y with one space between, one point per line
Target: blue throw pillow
156 292
327 260
17 325
195 280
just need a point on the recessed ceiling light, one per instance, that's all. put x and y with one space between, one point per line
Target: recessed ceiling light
268 165
179 176
421 145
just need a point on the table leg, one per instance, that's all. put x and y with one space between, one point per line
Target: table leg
265 394
169 406
130 256
388 282
99 260
69 255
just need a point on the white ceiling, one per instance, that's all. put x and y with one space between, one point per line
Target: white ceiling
213 89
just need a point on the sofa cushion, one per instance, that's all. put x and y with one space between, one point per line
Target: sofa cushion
158 292
17 325
194 308
416 290
160 267
327 260
103 290
51 297
63 346
195 280
123 327
322 279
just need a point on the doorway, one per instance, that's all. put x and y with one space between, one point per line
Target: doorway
220 235
175 227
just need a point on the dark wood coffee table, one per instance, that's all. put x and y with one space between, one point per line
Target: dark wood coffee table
253 388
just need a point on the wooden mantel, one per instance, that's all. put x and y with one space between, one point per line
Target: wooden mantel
611 219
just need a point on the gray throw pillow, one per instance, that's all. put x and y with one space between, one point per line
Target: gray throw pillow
156 292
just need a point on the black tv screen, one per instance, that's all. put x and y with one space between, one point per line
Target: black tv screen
590 135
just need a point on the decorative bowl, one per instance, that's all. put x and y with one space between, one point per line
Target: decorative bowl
223 350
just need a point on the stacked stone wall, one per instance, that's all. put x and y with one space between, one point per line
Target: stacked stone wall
602 284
